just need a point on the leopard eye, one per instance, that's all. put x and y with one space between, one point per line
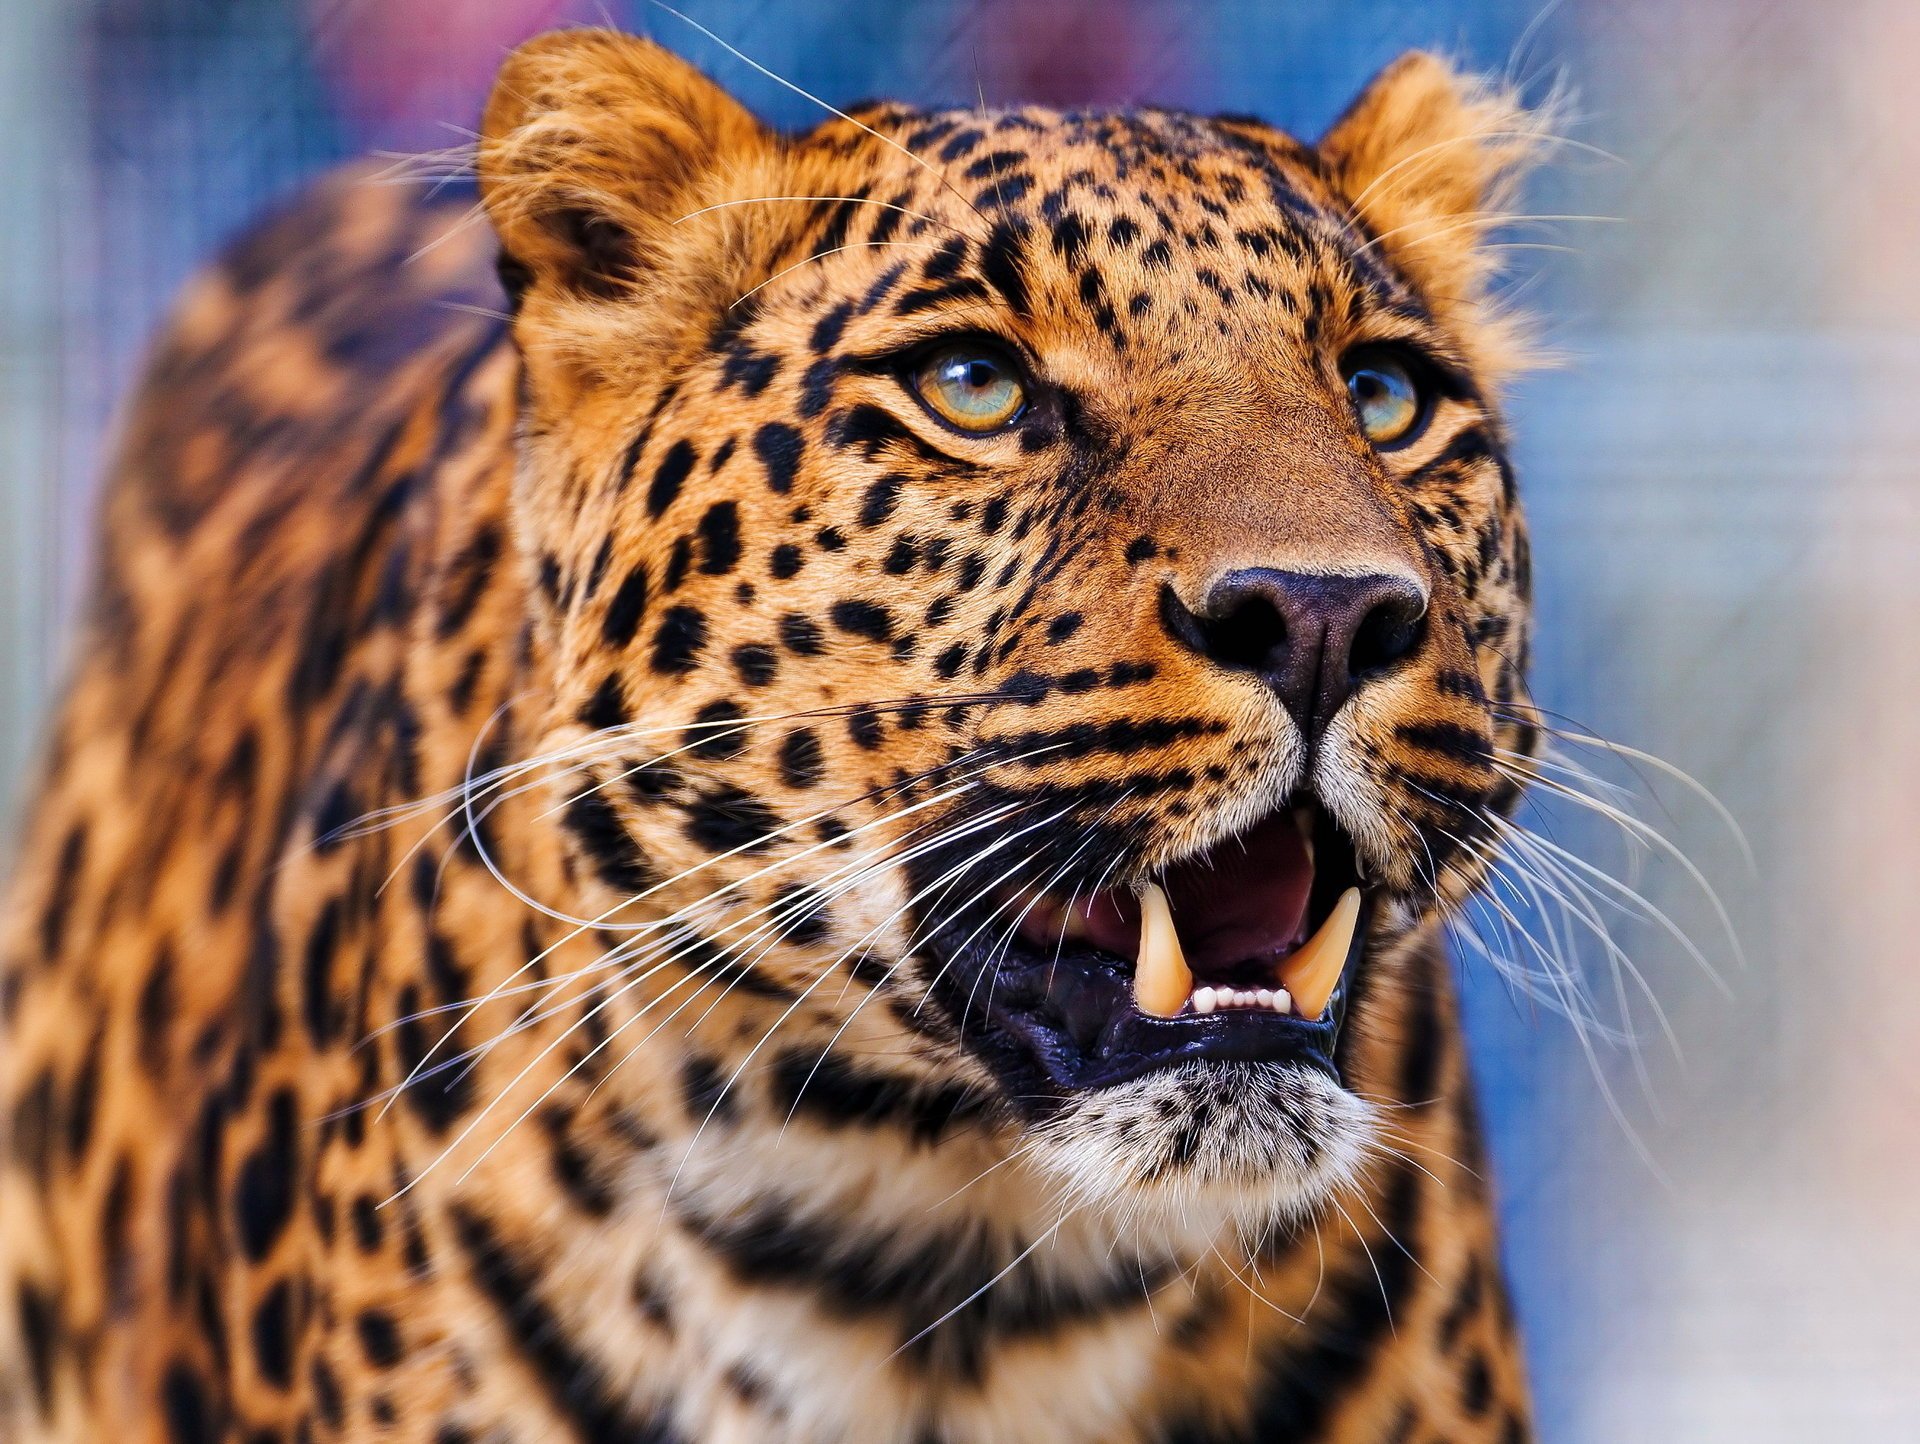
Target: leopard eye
971 384
1388 399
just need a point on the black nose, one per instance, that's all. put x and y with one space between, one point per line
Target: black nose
1312 637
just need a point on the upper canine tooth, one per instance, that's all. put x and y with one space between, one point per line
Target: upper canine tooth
1044 916
1161 978
1073 927
1313 970
1303 824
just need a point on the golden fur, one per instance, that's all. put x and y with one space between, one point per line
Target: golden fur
434 664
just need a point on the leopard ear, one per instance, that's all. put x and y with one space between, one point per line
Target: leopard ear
1428 158
593 145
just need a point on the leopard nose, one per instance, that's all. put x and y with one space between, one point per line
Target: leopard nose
1313 637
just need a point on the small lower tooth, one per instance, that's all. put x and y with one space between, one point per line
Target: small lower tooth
1282 1001
1203 1001
1264 997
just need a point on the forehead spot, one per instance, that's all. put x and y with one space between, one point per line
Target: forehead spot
960 144
901 558
816 387
829 328
780 448
1008 190
752 371
786 561
720 538
944 263
678 562
669 475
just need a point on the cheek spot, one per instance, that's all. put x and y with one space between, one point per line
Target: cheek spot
800 635
608 705
801 759
716 734
869 620
679 641
880 500
863 726
1063 627
756 663
807 920
625 610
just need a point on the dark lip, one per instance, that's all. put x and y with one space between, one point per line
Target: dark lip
1055 1022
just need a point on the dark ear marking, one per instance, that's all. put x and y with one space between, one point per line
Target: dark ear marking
515 276
605 263
593 144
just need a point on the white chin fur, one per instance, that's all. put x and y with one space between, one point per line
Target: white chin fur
1246 1144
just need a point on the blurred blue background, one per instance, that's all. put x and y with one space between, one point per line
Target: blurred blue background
1711 1239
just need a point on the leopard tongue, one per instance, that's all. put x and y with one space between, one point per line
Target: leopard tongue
1161 978
1312 970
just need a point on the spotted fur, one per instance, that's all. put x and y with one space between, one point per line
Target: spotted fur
454 986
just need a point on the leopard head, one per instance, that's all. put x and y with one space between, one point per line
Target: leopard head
1037 601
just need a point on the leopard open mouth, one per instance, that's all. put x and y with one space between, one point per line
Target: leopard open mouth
1242 953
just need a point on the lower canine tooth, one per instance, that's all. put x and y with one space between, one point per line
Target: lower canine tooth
1282 1002
1313 971
1161 978
1203 1000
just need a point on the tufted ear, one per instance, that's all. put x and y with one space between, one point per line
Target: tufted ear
1428 158
592 146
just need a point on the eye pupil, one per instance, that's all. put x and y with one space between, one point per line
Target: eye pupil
968 385
1386 399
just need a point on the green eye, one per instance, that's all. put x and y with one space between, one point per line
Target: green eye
1387 399
973 385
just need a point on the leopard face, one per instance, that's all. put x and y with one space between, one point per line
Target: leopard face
971 544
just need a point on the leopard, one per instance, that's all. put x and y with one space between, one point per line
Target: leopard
732 784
